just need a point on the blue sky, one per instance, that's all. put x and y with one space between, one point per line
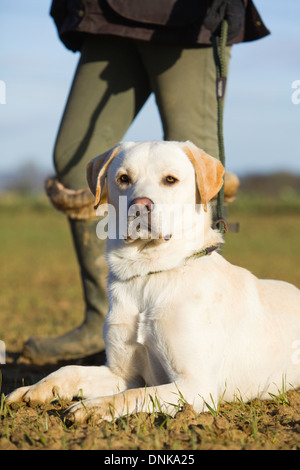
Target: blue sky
262 125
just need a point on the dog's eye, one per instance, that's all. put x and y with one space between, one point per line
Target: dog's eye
171 179
124 179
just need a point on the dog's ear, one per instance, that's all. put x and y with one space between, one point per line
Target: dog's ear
96 173
209 172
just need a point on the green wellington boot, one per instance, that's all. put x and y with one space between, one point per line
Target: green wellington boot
87 338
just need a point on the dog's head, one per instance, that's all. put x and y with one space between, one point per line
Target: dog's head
156 178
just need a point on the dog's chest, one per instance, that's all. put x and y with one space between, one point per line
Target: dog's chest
141 323
151 347
150 310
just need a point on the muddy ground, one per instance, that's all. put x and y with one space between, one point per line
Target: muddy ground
269 425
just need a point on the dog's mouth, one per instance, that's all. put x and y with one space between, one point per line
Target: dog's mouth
144 232
145 223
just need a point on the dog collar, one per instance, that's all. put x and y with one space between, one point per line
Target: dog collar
196 255
204 252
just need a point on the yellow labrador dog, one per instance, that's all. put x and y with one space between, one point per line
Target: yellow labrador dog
183 323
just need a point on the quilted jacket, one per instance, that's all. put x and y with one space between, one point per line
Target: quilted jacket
164 21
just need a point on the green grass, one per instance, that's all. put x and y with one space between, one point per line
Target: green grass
39 276
268 240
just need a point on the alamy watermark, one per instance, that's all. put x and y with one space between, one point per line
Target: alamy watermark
2 92
296 94
296 353
2 353
163 221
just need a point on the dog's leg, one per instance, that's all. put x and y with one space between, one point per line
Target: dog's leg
166 398
70 382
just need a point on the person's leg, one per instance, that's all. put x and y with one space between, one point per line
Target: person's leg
184 83
109 88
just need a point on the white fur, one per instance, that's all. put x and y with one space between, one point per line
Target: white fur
200 329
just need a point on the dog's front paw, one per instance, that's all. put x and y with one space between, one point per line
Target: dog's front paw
53 387
92 410
17 396
34 395
40 393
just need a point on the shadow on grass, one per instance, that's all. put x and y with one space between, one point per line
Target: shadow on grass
18 372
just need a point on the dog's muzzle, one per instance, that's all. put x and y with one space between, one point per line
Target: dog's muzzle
141 222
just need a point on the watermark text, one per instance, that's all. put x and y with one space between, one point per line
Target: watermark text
296 94
163 221
2 353
2 92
